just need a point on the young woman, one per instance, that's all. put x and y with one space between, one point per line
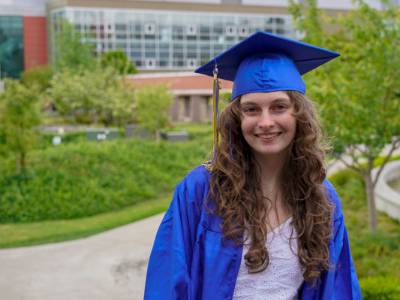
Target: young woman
260 221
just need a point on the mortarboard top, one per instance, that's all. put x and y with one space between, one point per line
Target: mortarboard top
265 62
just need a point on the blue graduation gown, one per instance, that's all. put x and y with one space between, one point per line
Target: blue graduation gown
190 261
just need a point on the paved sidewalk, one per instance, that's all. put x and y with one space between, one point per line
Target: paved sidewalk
106 266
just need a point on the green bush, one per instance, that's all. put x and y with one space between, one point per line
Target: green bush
86 178
195 131
380 288
350 186
374 254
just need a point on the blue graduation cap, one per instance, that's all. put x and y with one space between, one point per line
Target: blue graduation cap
265 62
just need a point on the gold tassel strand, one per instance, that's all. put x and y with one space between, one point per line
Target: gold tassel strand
216 87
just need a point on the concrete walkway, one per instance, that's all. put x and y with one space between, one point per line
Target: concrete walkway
106 266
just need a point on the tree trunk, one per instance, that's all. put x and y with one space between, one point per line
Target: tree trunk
369 189
20 162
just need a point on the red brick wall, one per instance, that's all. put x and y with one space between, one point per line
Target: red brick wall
35 42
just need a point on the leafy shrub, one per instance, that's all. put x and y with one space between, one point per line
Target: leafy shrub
196 131
380 288
350 187
374 254
84 178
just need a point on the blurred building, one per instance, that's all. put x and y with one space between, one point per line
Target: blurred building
158 35
173 35
23 36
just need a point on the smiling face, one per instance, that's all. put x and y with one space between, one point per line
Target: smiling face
268 124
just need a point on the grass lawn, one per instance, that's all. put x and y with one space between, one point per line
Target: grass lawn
27 234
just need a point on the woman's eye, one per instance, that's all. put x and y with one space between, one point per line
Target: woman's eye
249 109
279 108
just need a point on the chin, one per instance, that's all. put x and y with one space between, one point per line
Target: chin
270 151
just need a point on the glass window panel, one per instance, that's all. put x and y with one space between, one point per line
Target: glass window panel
11 46
178 63
121 36
164 63
164 46
150 47
205 30
150 54
178 55
164 55
177 47
120 27
191 38
136 54
122 45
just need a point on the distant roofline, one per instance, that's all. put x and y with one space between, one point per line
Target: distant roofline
202 92
179 6
163 75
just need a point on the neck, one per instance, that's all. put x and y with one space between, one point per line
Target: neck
271 170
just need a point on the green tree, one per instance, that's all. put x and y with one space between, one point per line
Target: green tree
19 113
118 60
70 51
93 96
39 77
152 104
359 93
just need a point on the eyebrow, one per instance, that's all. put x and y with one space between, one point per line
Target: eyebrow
275 100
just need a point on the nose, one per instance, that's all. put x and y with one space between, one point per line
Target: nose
266 120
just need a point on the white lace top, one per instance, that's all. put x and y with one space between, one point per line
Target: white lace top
283 276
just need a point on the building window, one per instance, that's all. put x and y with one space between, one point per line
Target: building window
243 31
150 63
150 28
165 39
191 30
191 63
230 30
11 47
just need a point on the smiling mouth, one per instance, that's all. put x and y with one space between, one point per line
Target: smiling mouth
269 136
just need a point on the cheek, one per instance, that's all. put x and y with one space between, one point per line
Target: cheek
246 126
291 123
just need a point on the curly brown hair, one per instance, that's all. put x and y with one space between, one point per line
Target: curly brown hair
235 188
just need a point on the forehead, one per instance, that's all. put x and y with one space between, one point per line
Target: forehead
264 97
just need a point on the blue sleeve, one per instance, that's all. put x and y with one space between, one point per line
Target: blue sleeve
168 271
344 277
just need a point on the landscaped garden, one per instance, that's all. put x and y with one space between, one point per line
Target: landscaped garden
82 188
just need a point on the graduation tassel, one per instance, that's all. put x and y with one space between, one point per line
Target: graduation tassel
216 87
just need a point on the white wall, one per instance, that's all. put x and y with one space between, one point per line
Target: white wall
23 7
